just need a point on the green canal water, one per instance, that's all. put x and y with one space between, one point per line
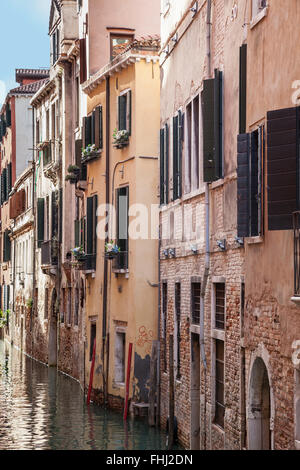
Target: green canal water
41 409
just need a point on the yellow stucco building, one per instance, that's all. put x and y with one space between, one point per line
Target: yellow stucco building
122 170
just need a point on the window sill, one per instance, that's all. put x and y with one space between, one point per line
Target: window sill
254 240
218 334
296 300
259 17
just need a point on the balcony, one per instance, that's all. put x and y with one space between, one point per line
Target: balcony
49 253
120 262
88 264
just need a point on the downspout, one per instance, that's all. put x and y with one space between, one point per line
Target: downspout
34 229
207 237
105 366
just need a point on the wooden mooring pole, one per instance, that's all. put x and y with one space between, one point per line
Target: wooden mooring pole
171 393
153 384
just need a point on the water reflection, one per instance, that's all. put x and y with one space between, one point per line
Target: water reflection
42 409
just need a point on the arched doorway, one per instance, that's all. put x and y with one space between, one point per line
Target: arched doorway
52 359
259 411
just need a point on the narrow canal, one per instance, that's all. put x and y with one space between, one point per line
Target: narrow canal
41 409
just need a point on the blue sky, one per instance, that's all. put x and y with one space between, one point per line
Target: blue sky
24 38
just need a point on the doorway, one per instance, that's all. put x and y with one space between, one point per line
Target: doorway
259 412
195 392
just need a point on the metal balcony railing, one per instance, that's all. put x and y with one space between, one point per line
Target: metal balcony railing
89 263
120 262
49 253
296 220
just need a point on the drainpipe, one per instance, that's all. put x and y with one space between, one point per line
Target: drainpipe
207 237
34 229
105 366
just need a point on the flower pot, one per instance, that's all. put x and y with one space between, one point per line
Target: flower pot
111 255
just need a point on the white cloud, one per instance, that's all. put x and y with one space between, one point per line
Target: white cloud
2 92
42 7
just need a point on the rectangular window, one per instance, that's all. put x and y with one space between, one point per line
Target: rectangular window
118 43
177 155
77 95
92 339
251 150
220 399
188 150
40 221
6 247
177 320
46 305
164 165
91 232
196 294
164 319
243 89
122 225
212 111
120 346
220 306
83 61
124 112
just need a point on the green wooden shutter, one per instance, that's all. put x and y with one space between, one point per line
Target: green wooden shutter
243 185
129 109
40 221
162 165
77 232
88 131
243 88
122 224
212 99
175 159
122 112
89 226
283 167
95 206
93 128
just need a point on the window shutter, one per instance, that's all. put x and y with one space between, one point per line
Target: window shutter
2 190
88 131
162 165
122 112
7 247
8 115
60 211
93 128
54 213
95 206
175 159
98 128
41 220
243 88
243 185
180 141
89 227
78 152
212 98
129 107
83 65
283 160
9 179
166 182
5 184
77 232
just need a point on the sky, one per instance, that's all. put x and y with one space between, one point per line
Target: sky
23 37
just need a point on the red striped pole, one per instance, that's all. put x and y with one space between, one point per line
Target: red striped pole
92 374
128 381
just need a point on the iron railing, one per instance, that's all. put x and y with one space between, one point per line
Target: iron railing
120 262
296 222
89 263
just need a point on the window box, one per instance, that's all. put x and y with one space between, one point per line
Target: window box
91 156
121 138
121 145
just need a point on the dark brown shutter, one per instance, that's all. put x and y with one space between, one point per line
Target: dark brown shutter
175 159
243 88
98 127
129 108
243 185
162 164
283 155
93 127
83 67
122 112
41 221
54 213
166 182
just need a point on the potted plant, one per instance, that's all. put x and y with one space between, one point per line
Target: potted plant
121 138
89 153
73 174
79 254
111 250
4 318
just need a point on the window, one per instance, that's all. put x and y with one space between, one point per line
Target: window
76 307
46 304
177 155
124 112
192 148
177 325
118 43
69 306
196 295
164 319
122 226
93 129
212 111
243 89
92 339
77 95
55 46
164 165
40 221
257 7
83 61
250 183
6 247
120 346
91 232
220 401
220 306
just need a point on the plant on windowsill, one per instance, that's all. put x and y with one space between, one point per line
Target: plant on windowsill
121 139
111 250
79 254
89 153
29 304
73 174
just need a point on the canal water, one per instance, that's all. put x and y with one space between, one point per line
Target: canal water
41 409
